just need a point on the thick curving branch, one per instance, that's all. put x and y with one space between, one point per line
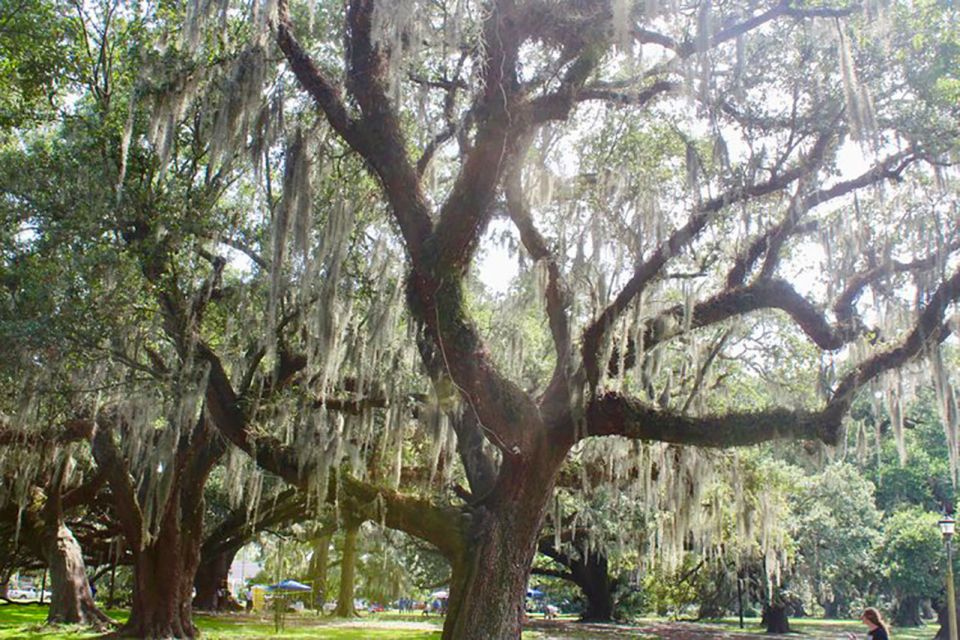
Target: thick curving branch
652 267
444 527
615 414
928 330
557 297
315 82
111 462
69 431
377 136
637 99
416 516
845 305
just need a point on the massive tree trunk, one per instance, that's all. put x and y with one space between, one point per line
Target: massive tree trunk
319 564
165 559
211 583
775 618
164 569
348 571
161 592
489 586
590 572
838 607
907 612
71 601
596 585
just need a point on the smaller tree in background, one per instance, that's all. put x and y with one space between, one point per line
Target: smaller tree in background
910 558
837 530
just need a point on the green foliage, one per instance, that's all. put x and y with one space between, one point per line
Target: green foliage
18 623
38 46
672 593
911 555
836 527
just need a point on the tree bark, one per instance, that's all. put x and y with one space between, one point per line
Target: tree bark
71 601
165 560
907 613
590 572
348 572
161 598
319 564
775 618
489 584
596 586
211 583
163 581
835 608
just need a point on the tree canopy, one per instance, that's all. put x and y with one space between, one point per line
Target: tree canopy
262 236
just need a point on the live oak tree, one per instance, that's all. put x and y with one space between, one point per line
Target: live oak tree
778 90
115 277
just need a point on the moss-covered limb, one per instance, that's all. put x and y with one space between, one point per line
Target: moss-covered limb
443 527
86 492
773 293
615 414
69 431
652 267
556 295
508 416
377 136
508 116
237 528
767 292
324 91
199 453
478 464
928 330
108 458
845 305
226 413
416 516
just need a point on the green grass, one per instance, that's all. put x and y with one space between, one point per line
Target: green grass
26 623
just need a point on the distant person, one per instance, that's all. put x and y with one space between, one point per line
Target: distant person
875 623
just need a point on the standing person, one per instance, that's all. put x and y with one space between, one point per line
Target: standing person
875 623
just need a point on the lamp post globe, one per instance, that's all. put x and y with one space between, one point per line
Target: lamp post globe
947 527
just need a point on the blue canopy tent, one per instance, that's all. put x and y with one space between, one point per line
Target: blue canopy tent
535 593
289 585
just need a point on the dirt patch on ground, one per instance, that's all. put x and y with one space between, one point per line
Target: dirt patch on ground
563 629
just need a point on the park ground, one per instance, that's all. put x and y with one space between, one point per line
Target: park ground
26 623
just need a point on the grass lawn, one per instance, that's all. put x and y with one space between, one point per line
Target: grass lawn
26 622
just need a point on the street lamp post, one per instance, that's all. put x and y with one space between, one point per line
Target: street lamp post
947 526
